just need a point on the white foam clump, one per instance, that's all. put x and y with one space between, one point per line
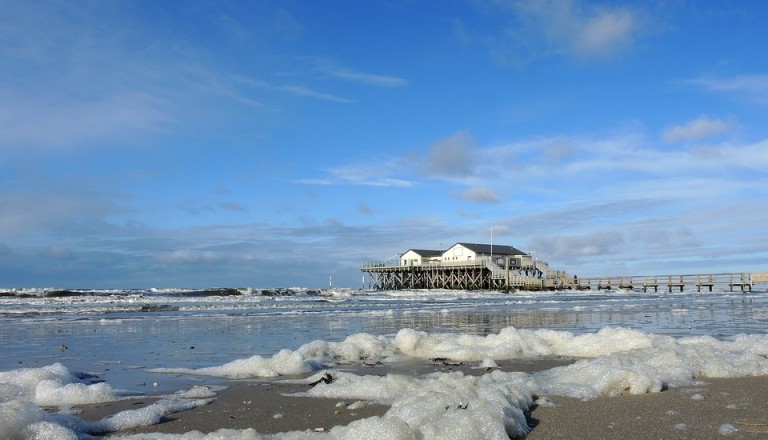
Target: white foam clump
24 392
435 406
439 405
285 362
308 358
54 385
511 343
745 354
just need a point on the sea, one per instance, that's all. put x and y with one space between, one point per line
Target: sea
60 348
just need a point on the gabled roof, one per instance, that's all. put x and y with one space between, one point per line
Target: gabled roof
425 252
496 249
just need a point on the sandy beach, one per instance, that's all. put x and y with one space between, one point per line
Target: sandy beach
713 408
691 412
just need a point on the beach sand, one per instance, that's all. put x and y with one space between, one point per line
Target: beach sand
691 412
706 410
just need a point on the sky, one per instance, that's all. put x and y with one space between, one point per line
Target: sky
286 143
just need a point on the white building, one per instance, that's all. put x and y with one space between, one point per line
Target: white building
472 253
418 257
467 252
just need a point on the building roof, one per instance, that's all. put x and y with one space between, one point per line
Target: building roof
425 252
496 249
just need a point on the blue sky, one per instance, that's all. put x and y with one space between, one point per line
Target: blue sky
278 143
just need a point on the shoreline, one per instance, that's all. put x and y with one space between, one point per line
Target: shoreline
736 408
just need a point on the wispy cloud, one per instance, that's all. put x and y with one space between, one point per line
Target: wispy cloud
239 87
335 69
699 128
570 28
190 256
306 91
199 207
750 87
478 195
579 246
603 32
627 152
740 83
371 79
581 30
35 121
452 157
364 209
74 78
233 206
358 180
357 174
31 212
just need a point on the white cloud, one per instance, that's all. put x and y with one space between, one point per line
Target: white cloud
367 78
357 175
31 214
740 83
577 29
34 121
605 33
76 77
579 246
662 239
479 195
452 157
750 87
189 256
700 128
335 69
309 93
366 175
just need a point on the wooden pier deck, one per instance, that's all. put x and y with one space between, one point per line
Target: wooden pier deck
484 274
469 275
734 280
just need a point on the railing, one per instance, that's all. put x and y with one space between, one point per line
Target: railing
433 264
497 273
736 279
482 261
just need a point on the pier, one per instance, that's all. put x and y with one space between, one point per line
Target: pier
476 266
742 281
480 273
504 274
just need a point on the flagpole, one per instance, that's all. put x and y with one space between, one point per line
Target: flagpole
491 243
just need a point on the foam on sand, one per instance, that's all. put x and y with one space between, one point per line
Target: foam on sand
24 393
434 406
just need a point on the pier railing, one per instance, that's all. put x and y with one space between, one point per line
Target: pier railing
483 261
740 280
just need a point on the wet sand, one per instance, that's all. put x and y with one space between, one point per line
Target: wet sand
706 410
691 412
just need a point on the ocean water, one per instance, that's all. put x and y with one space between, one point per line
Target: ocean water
60 348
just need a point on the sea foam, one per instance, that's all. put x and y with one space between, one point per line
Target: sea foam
611 361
